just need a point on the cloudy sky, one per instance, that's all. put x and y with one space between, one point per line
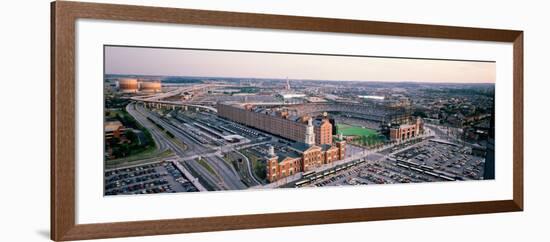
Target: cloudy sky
182 62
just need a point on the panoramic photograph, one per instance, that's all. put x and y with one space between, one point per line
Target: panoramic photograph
197 120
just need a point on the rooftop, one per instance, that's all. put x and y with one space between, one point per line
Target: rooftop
111 126
299 146
318 122
283 153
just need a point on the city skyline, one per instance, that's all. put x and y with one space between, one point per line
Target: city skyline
122 60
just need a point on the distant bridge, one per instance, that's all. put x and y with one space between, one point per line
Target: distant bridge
173 104
156 100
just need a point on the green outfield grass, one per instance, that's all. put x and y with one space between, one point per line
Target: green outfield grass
366 136
345 129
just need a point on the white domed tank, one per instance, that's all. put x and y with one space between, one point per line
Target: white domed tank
128 85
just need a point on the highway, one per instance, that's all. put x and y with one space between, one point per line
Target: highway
156 133
213 157
205 176
157 98
215 171
225 176
228 173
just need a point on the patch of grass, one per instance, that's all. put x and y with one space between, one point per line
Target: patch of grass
196 174
257 164
348 130
365 136
204 164
260 170
137 147
179 143
232 160
150 153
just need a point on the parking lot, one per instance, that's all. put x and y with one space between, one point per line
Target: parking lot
161 177
453 159
428 161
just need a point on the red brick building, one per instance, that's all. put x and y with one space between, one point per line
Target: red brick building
314 145
323 131
113 129
279 122
302 158
406 131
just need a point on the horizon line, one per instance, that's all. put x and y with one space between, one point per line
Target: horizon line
302 79
224 67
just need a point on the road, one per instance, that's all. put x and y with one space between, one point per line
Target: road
157 98
228 173
230 177
249 168
192 179
156 133
205 176
225 176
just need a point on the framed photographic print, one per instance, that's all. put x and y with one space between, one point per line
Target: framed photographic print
172 120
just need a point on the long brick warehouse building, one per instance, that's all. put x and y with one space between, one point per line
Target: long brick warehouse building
313 137
277 122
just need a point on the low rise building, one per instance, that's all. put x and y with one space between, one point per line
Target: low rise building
301 157
406 130
113 129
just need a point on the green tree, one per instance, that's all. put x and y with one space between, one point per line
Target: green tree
130 135
260 170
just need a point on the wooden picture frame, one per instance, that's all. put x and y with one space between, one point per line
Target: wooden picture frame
63 17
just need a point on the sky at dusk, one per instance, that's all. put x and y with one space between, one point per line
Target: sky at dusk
181 62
